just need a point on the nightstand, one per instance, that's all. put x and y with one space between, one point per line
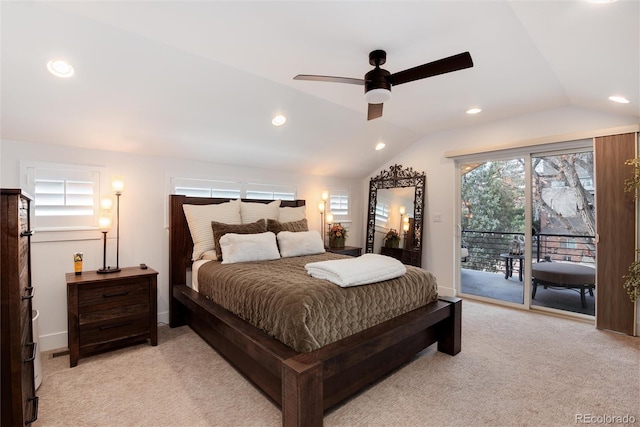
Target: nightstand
109 311
347 250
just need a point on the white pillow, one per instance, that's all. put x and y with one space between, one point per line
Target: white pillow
300 243
248 247
251 212
288 214
199 218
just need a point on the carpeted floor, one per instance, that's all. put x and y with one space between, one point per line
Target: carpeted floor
515 368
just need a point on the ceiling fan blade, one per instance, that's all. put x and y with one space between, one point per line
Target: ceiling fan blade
329 79
441 66
375 111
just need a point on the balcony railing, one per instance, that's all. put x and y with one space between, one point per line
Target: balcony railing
485 248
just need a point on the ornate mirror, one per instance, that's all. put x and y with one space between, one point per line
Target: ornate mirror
395 185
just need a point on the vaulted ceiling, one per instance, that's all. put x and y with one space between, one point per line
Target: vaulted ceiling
202 80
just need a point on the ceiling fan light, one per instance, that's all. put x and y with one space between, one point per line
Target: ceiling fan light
377 96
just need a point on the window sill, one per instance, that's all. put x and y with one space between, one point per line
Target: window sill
65 234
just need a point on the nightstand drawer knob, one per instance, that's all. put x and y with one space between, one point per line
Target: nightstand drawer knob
115 294
117 325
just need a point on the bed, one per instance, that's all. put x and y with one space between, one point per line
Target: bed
303 384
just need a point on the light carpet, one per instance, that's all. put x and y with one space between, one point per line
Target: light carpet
516 368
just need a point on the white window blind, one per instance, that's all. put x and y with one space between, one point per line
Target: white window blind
206 188
339 204
382 212
270 192
64 196
233 190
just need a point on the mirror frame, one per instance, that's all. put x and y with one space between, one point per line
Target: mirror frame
397 177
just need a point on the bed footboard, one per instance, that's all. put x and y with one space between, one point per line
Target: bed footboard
340 369
306 384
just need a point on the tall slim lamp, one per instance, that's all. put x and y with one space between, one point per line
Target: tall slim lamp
321 208
118 185
104 221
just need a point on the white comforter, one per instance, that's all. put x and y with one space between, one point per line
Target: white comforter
368 268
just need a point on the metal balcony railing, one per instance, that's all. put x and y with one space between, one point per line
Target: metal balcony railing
485 248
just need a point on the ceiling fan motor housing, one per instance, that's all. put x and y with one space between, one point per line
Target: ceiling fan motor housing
377 88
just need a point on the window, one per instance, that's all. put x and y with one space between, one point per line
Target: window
65 196
206 188
382 212
339 204
231 190
270 192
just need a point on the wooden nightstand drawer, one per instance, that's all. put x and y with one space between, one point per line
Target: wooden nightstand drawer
108 311
96 298
115 328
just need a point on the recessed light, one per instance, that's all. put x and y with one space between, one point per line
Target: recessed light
474 110
60 68
278 120
619 99
380 146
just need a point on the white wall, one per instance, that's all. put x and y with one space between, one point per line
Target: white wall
143 232
428 154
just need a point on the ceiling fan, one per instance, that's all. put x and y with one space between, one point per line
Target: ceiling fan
378 82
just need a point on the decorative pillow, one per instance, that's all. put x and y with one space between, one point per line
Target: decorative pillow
251 212
199 218
220 229
248 247
289 214
209 255
300 243
294 226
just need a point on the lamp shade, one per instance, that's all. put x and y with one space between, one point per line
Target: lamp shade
104 222
321 206
329 218
117 185
325 195
106 204
405 227
402 210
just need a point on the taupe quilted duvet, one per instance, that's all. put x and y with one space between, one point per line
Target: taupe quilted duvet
307 313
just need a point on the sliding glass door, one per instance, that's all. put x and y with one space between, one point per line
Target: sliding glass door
563 265
527 229
492 229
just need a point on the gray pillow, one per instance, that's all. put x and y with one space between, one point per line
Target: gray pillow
276 226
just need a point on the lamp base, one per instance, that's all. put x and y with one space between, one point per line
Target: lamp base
108 270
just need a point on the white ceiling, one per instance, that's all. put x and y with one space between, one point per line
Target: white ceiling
201 80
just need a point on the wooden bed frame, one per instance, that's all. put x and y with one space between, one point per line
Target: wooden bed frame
303 384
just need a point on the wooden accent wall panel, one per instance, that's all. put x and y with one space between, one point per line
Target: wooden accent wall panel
616 228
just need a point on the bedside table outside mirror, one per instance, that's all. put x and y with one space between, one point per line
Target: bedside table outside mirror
109 311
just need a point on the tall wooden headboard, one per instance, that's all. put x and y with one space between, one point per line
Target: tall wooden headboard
180 242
